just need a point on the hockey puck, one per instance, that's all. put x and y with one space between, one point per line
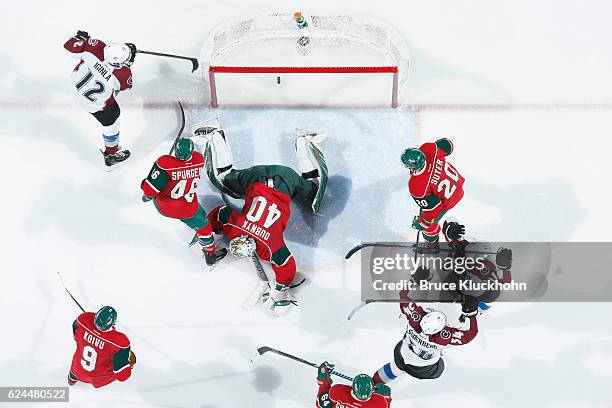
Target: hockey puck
278 80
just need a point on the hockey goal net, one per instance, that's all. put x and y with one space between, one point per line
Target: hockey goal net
336 60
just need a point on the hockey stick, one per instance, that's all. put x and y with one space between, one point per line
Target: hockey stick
194 61
407 245
180 132
266 349
70 294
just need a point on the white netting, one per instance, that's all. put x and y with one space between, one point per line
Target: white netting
330 41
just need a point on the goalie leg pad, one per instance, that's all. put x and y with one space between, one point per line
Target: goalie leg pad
218 161
312 163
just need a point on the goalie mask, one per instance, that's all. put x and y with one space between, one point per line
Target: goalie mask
433 322
117 54
242 246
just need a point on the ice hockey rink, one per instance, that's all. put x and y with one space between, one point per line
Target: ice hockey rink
522 88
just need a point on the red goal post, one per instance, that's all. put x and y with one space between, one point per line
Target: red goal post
335 60
392 70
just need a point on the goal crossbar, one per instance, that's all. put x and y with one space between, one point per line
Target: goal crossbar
213 69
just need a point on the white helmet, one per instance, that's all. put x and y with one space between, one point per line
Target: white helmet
117 53
242 246
433 322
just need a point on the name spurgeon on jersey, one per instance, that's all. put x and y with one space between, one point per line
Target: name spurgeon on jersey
185 174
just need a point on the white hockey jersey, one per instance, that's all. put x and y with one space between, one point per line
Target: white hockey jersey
95 82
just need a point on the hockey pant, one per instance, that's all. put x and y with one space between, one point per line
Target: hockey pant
398 367
109 119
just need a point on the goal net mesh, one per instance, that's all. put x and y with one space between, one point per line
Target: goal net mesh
328 41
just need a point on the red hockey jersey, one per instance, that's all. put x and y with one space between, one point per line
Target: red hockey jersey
264 217
340 396
173 183
95 81
438 186
100 357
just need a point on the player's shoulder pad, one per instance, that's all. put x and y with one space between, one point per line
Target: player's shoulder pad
166 162
197 157
118 338
124 76
86 319
445 145
340 393
428 148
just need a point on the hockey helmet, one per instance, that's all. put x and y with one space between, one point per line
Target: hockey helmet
117 54
413 159
184 149
363 387
105 318
433 322
242 246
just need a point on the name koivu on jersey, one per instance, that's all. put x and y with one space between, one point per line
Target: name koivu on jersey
94 341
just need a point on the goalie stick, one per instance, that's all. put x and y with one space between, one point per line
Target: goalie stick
194 61
266 349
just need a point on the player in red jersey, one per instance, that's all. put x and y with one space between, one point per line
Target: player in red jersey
172 184
361 394
267 192
102 72
419 354
103 354
434 184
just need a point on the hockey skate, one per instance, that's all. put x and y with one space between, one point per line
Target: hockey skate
112 160
213 258
276 299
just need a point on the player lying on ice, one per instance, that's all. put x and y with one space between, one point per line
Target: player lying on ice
102 72
172 184
362 393
419 353
434 184
103 354
267 192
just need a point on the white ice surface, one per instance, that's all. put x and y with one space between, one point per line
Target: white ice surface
535 171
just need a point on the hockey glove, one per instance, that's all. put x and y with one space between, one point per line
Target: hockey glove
419 224
422 274
325 370
82 35
469 307
146 198
382 389
503 259
132 48
453 231
132 358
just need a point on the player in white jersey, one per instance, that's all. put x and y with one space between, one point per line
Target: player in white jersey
102 72
419 353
